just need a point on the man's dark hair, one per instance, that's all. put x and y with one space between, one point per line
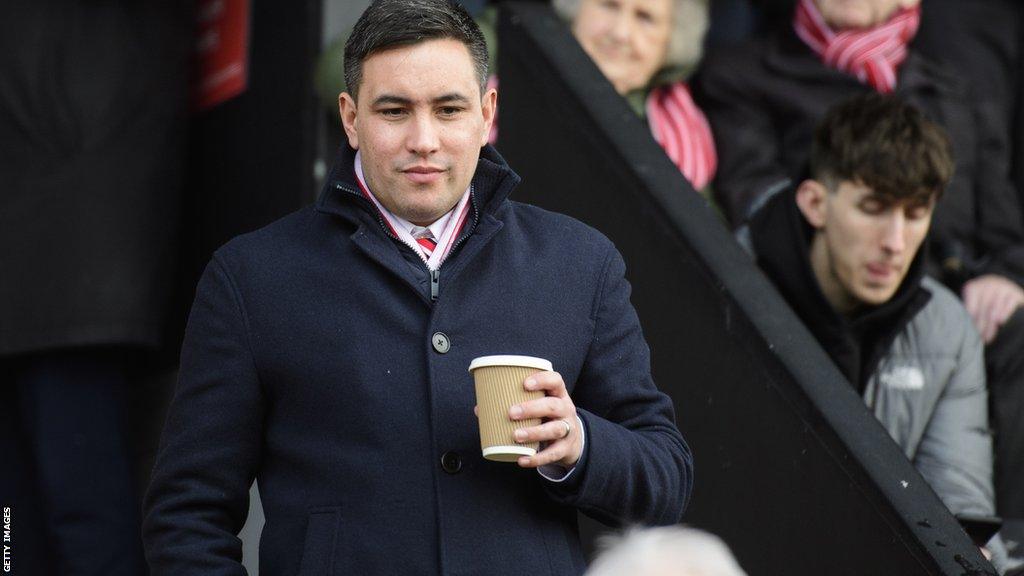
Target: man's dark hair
393 23
885 144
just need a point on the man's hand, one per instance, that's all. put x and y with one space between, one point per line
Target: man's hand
560 429
990 300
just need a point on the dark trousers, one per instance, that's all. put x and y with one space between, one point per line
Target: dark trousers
1005 366
74 503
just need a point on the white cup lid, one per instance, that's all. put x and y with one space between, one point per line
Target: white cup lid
509 360
507 453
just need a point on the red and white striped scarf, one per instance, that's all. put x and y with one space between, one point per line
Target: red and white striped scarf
873 55
677 125
680 127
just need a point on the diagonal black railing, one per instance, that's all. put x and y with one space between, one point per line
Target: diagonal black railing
791 468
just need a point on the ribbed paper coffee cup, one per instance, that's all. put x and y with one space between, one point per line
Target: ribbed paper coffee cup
499 385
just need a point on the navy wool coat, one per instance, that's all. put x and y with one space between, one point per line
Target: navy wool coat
308 364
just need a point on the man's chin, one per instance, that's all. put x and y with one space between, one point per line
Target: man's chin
876 295
421 216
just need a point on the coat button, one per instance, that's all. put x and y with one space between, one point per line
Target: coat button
451 463
441 342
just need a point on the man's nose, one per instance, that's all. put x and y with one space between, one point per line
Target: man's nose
894 234
423 137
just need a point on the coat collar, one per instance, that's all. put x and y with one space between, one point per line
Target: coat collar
493 181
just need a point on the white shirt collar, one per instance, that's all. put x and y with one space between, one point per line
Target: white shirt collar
444 228
437 228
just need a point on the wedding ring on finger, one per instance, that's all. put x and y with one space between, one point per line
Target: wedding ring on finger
568 428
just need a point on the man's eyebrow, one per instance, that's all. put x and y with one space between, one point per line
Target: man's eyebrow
390 99
451 97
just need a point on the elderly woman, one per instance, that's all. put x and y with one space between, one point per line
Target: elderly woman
647 49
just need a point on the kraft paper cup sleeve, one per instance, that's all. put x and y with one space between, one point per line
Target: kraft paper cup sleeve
499 385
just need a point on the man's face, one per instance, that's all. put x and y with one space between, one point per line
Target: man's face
419 125
864 242
627 39
848 14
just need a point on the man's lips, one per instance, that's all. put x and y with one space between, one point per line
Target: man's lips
881 271
423 174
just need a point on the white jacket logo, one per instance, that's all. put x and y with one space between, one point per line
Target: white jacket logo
902 378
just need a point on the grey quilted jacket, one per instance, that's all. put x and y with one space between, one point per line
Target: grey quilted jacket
928 387
929 392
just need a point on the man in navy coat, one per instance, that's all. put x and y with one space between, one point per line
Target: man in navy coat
326 354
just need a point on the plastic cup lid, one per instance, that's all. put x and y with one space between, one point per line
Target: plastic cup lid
510 360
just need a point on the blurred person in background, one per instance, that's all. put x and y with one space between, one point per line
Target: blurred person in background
648 49
843 248
665 551
92 101
983 40
763 99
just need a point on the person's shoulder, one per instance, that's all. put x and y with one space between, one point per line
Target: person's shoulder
543 227
734 57
943 321
741 50
731 71
937 75
943 301
553 226
271 242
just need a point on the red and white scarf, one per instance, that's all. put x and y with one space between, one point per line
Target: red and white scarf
873 55
677 125
680 127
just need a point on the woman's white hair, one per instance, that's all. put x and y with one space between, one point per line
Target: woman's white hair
689 24
665 551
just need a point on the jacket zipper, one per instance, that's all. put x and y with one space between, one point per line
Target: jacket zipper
435 275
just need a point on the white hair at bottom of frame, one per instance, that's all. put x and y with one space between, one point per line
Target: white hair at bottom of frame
665 551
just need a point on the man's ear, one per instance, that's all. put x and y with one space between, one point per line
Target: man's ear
347 109
811 198
489 108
